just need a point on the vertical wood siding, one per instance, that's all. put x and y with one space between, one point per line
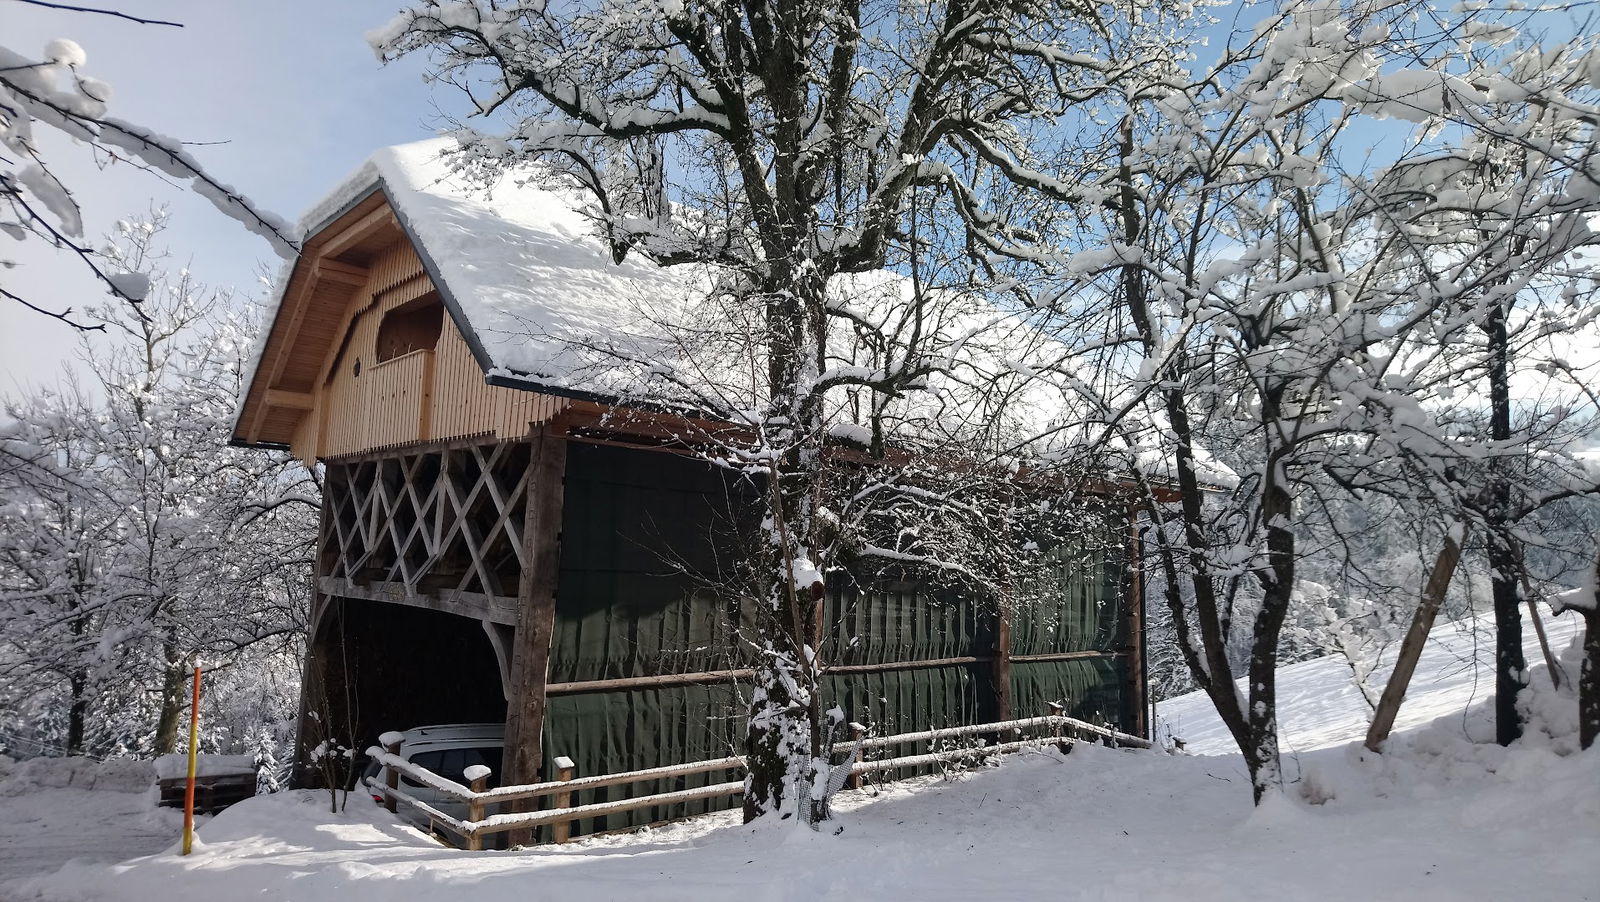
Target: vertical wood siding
419 396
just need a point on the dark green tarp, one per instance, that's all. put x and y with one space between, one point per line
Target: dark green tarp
645 536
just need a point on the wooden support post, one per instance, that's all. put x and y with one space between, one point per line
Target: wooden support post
1002 661
1394 692
312 686
1057 709
859 732
391 777
561 831
536 612
1138 682
475 809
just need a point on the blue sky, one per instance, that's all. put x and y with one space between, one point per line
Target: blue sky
290 87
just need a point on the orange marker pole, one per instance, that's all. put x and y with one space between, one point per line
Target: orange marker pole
194 757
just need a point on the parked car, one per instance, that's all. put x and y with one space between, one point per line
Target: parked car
447 750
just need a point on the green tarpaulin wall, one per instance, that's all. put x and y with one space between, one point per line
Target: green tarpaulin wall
641 536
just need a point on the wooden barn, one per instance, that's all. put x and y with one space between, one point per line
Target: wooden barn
494 548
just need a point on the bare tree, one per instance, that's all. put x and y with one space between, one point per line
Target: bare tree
1255 296
134 527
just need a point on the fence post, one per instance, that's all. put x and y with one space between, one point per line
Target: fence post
391 776
480 782
1059 710
561 831
860 732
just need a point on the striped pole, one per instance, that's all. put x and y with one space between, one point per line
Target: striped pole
194 756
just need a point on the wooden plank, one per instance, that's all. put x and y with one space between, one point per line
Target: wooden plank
1394 692
976 753
360 231
1002 660
907 665
536 610
449 444
664 680
349 275
649 682
1133 601
425 402
1069 656
294 400
477 605
522 822
511 793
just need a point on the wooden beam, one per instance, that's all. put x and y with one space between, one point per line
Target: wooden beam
295 301
294 400
700 678
360 230
417 447
1133 600
1002 660
301 291
1433 594
906 665
478 606
536 610
349 275
312 666
649 682
1069 656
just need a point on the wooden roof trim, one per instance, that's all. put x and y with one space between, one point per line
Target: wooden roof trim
361 230
294 400
309 271
325 270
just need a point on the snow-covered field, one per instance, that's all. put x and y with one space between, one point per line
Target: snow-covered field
1439 817
39 831
53 810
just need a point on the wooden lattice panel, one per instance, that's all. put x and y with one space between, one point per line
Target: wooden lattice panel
440 525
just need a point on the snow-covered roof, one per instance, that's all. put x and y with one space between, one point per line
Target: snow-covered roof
521 270
539 299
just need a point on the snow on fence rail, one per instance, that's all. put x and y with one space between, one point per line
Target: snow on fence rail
560 816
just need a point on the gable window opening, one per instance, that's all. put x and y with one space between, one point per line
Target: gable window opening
414 326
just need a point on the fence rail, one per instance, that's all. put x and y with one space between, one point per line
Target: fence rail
479 824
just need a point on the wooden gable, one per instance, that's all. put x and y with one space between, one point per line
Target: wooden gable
363 354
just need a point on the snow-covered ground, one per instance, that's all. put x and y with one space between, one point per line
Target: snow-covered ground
40 831
1439 817
54 810
1319 707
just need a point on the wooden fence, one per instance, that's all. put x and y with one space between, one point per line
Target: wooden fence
1053 728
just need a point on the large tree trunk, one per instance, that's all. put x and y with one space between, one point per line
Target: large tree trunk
1277 582
1589 670
1589 680
1510 668
785 729
78 686
784 741
77 712
173 679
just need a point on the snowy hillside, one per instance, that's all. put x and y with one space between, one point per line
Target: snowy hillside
1437 818
1319 707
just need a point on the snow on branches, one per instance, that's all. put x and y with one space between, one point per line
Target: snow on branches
56 94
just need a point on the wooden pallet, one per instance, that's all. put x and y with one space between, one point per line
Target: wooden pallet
211 794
